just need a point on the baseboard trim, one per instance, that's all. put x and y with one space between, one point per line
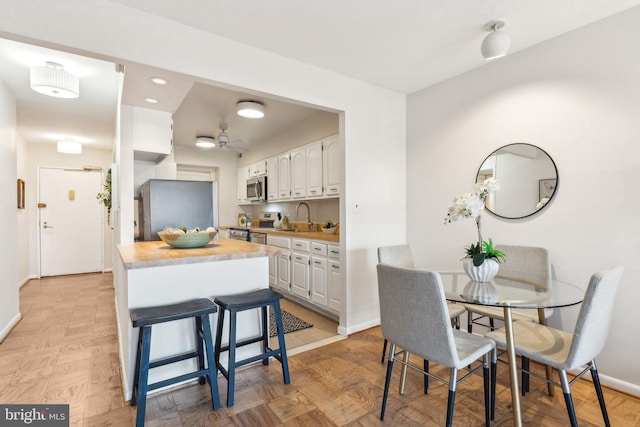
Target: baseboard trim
618 384
12 324
359 327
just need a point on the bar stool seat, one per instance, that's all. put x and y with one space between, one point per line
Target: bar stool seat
262 299
144 318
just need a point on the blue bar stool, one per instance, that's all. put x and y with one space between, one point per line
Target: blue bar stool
144 318
262 298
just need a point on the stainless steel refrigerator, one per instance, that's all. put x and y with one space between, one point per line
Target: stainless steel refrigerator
173 203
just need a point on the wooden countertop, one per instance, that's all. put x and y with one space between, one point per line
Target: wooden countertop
158 253
312 235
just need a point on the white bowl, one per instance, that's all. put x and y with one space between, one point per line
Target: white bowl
187 240
331 230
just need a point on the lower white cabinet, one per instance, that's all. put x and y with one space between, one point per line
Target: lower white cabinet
279 265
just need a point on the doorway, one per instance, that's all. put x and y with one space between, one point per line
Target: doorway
70 223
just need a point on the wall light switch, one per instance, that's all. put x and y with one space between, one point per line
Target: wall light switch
72 194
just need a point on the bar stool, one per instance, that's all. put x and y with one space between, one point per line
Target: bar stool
262 298
144 318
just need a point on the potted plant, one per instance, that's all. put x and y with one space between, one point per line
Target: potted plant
105 197
329 227
481 262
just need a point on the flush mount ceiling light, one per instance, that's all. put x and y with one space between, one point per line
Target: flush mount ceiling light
250 109
151 100
497 43
205 141
69 146
53 80
158 80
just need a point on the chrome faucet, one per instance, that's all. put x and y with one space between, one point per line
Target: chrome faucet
309 223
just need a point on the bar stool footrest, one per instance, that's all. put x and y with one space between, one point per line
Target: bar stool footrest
180 378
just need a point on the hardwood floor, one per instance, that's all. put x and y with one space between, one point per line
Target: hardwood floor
65 351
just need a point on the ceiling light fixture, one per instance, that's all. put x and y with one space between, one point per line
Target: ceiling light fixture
53 80
158 80
497 43
69 146
205 141
151 100
250 109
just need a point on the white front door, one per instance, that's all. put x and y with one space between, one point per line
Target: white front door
70 221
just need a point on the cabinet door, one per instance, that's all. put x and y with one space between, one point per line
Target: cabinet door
152 130
284 265
243 174
314 169
272 179
300 274
298 173
273 270
334 285
318 275
332 166
284 177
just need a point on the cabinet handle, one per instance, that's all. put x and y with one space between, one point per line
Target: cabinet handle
298 258
335 266
335 252
317 262
317 249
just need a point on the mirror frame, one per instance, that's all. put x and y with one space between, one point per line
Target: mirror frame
555 190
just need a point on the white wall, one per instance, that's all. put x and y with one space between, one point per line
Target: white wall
9 307
373 118
578 98
23 214
47 155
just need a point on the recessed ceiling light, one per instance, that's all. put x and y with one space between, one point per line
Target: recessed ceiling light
69 146
158 80
250 109
151 100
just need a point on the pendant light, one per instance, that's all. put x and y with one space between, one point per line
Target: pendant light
496 43
53 80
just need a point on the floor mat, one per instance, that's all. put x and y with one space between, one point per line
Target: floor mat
290 322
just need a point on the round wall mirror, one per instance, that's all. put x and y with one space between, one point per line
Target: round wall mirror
528 179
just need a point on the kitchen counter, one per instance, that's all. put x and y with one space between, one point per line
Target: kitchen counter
313 235
158 253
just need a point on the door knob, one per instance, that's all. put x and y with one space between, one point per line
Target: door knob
47 226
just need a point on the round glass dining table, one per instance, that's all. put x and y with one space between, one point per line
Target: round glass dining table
510 291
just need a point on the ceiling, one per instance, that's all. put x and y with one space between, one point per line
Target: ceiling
404 46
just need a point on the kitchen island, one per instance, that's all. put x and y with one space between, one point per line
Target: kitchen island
153 273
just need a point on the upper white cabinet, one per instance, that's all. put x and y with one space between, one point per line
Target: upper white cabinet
313 169
284 176
272 179
242 175
150 130
332 166
299 173
258 169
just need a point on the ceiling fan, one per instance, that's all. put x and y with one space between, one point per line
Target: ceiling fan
222 142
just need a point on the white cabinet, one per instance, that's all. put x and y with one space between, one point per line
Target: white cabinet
151 132
300 268
334 279
284 177
313 168
332 166
279 265
299 173
242 175
258 169
272 179
318 273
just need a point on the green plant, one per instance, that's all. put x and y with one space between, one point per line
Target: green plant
105 197
486 252
328 224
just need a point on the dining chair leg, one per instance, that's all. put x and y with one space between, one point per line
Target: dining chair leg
469 322
384 351
403 372
387 381
494 380
487 398
426 377
525 375
453 376
542 319
598 387
566 390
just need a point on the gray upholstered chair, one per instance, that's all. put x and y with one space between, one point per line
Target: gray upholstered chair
414 316
520 259
400 256
568 351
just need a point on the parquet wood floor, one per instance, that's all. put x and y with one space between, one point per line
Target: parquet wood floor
65 351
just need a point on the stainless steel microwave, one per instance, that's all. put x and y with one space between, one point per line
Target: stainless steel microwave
257 189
